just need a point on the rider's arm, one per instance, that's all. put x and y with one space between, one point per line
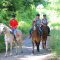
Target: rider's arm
16 23
41 22
47 22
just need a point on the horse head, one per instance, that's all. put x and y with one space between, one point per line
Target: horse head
35 27
44 28
3 28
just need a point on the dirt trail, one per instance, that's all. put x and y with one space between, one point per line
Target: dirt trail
27 53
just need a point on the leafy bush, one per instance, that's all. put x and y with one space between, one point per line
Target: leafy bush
2 43
24 26
55 24
55 41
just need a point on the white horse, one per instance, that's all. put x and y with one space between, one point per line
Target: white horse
9 38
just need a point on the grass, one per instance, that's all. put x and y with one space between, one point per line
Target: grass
55 40
2 44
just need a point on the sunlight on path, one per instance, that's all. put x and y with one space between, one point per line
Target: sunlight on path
42 57
28 57
27 53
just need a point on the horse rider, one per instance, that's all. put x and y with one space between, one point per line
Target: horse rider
13 25
37 21
44 21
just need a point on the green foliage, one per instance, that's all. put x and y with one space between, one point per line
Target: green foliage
25 12
55 24
2 43
55 41
37 2
26 15
24 29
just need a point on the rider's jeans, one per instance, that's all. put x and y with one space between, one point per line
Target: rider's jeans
14 31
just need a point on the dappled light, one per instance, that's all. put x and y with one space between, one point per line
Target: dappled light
22 23
52 15
32 57
25 12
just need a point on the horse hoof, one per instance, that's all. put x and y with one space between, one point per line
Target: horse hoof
33 52
38 51
5 55
16 53
21 51
10 54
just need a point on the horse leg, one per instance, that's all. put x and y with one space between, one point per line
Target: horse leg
38 47
11 48
33 47
44 44
6 43
37 44
20 46
16 48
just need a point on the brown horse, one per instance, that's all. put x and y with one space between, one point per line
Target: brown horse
44 36
36 38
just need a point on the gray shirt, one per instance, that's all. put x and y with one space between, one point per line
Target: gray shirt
38 22
44 21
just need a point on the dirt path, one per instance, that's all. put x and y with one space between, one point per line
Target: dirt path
27 53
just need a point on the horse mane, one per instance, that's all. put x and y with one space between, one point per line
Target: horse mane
6 27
